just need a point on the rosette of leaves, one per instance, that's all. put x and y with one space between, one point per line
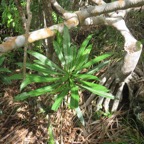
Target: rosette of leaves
3 72
67 78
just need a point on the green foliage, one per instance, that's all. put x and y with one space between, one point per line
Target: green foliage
4 77
138 45
66 4
10 15
98 114
3 71
67 78
56 18
107 39
51 139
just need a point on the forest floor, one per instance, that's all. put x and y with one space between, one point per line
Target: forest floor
32 122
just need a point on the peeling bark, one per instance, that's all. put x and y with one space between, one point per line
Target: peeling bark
72 20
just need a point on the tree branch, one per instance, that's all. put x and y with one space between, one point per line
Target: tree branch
107 8
73 19
57 8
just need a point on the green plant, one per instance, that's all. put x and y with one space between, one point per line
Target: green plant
3 72
68 78
50 132
98 114
10 16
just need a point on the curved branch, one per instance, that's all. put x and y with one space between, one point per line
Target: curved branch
19 41
56 7
107 8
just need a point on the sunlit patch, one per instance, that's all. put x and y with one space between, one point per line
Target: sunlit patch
121 2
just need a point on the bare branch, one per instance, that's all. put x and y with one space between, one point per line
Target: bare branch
28 21
56 7
107 8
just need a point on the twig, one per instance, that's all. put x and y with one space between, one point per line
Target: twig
28 22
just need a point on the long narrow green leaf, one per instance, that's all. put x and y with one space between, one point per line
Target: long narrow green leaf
83 58
98 92
43 90
22 96
82 53
42 64
51 136
59 53
98 67
66 41
86 77
59 99
59 39
45 60
4 70
87 52
96 60
4 79
59 88
40 69
73 58
67 51
35 67
1 59
36 92
37 79
74 101
16 77
83 46
80 115
69 59
94 86
66 37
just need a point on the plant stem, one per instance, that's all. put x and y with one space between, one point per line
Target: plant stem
27 28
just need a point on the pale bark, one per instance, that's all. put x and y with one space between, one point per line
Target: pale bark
72 20
116 80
